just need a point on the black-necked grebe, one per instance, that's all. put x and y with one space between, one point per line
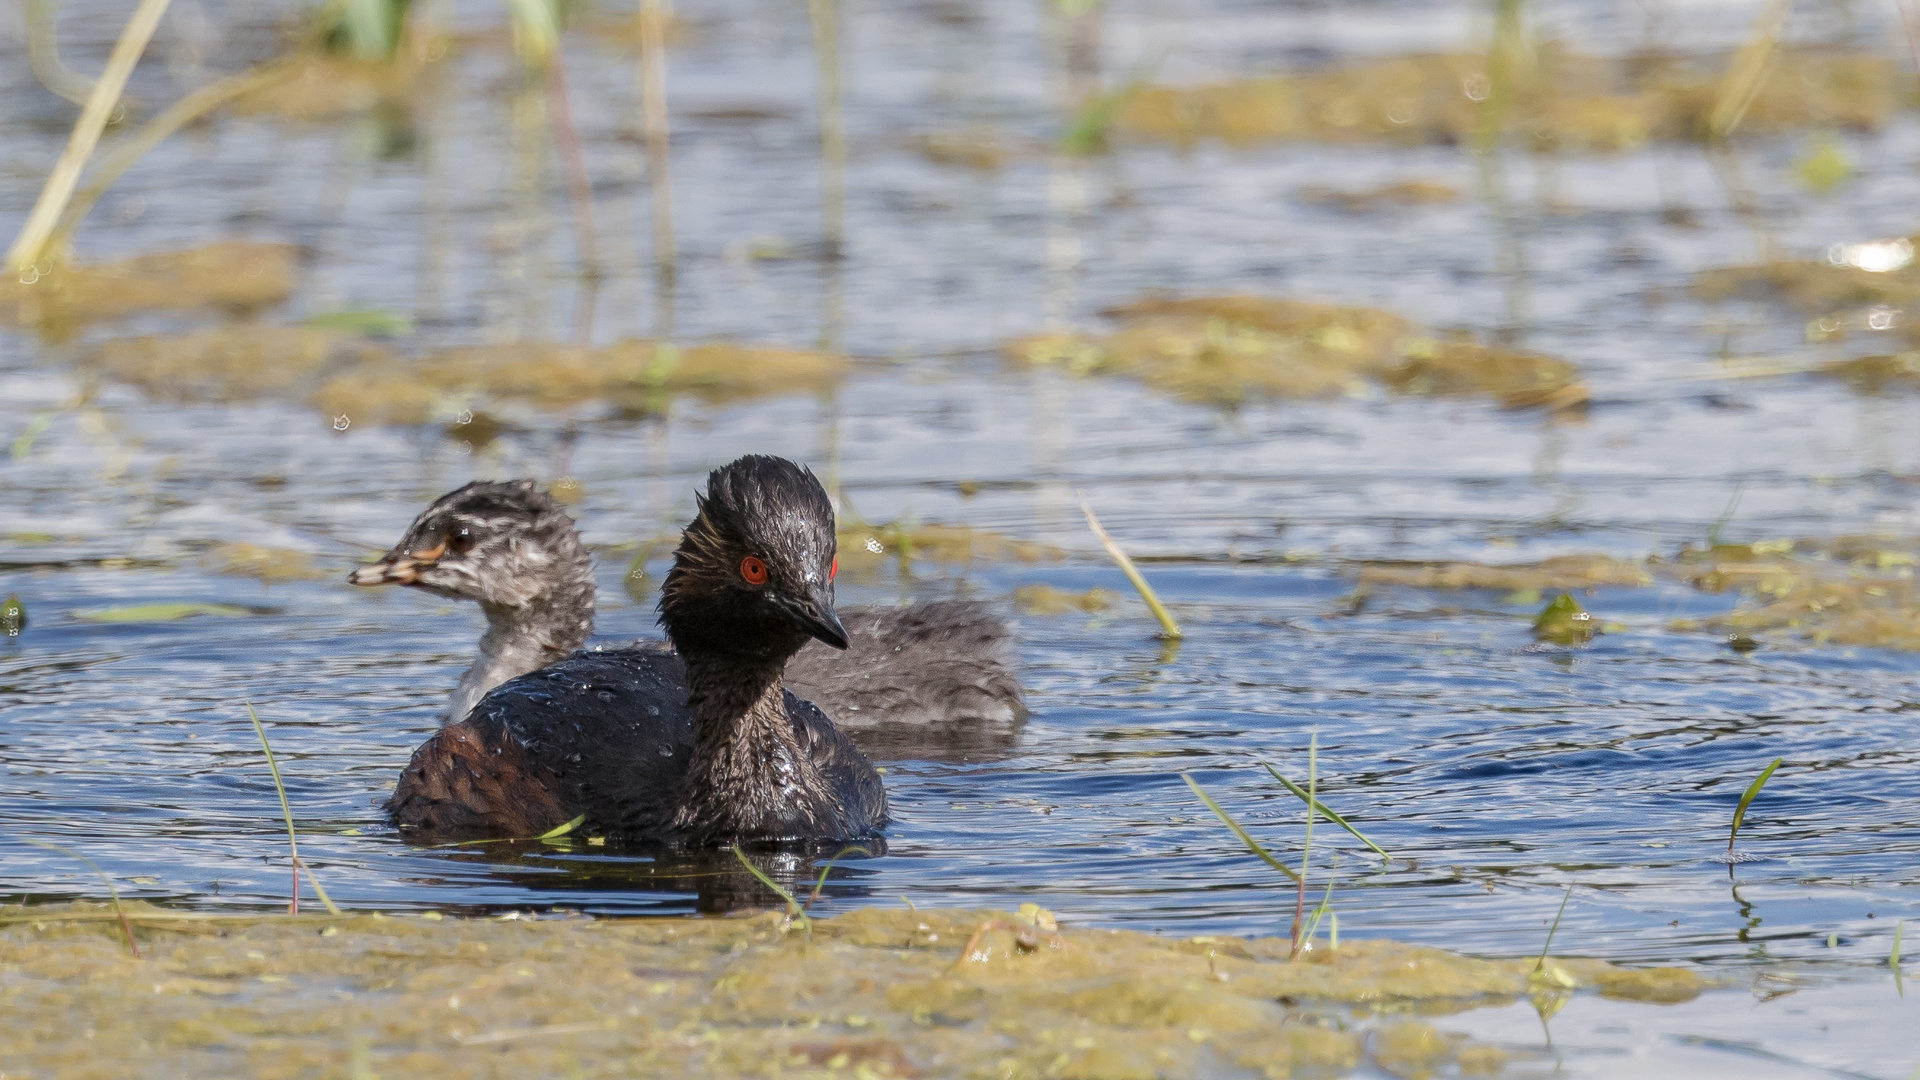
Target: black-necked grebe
512 548
704 747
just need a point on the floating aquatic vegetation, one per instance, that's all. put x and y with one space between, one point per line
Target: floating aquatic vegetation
13 616
238 277
1042 599
327 86
1560 572
1225 350
631 374
1846 591
1561 100
1398 193
1852 275
142 613
1564 622
973 148
269 564
870 992
1874 374
864 549
236 362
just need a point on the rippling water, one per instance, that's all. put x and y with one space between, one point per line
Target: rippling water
1496 775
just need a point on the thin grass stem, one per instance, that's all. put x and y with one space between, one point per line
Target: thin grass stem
1326 812
825 15
1168 628
795 910
286 808
119 912
1252 844
653 118
822 882
126 152
1541 964
1306 847
1748 70
31 244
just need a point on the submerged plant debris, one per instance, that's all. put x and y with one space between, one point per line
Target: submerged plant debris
635 375
1849 276
327 86
269 564
1560 100
1398 193
1226 350
237 277
1848 591
236 362
870 993
865 549
1559 572
1039 598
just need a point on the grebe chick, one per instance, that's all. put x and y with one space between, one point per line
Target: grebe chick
512 548
704 747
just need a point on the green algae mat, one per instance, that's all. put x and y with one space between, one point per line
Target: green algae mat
871 993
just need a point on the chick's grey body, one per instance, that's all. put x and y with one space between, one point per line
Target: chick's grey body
702 744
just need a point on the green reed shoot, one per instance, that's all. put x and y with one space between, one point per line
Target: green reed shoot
1323 911
293 843
1168 628
126 928
1740 812
1245 837
1306 847
796 911
821 883
1541 964
1327 812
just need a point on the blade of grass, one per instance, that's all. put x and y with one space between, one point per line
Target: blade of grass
1324 909
795 912
559 831
31 244
1541 964
129 150
1168 628
1327 813
822 882
293 844
1740 812
1252 844
554 833
1748 70
119 912
1306 848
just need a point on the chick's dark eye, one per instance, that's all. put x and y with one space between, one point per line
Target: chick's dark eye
460 539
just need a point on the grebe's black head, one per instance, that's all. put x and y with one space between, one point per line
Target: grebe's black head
503 543
754 573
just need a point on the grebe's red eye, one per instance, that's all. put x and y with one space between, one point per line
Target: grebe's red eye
753 570
834 569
